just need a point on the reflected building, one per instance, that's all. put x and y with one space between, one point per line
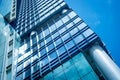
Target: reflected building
56 44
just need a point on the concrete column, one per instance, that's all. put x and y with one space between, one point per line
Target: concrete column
105 64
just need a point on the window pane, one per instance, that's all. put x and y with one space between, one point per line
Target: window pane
70 44
65 19
78 39
72 32
77 20
62 30
52 56
65 37
20 67
55 35
81 26
57 42
35 57
48 39
43 51
26 63
72 14
50 47
88 32
52 28
27 73
61 50
59 23
46 32
35 67
44 61
84 68
69 25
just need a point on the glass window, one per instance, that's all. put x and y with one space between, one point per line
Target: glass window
27 72
88 32
35 67
26 63
20 67
59 23
50 47
57 42
52 28
77 20
26 54
58 70
52 56
62 30
19 77
69 25
20 59
34 40
74 31
78 39
70 44
72 14
65 19
42 43
65 37
48 39
59 73
55 35
35 57
49 76
61 50
84 68
44 61
82 25
46 32
40 36
90 76
43 51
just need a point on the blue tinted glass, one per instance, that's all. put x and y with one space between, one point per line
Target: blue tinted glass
42 52
58 23
55 35
50 47
57 42
70 44
65 19
72 32
62 30
81 26
66 36
72 14
78 39
52 56
52 28
44 61
88 32
46 32
48 39
69 25
27 73
42 43
61 50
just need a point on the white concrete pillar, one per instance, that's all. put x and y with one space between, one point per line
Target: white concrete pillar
105 64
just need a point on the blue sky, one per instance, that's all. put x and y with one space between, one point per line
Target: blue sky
103 16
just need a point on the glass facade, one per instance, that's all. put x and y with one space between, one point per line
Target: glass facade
53 37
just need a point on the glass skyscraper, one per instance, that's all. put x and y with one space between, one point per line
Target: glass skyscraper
56 44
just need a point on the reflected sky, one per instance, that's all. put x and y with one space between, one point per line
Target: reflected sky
103 17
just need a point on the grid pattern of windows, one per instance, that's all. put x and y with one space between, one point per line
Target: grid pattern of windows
33 12
53 42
